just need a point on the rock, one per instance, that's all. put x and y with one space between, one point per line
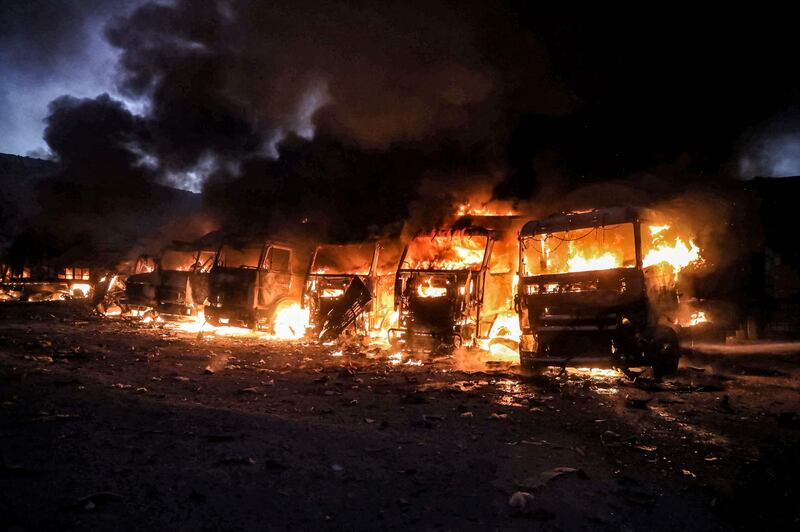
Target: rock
208 370
251 389
521 500
609 437
637 401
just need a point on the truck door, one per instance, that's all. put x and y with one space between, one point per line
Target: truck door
275 276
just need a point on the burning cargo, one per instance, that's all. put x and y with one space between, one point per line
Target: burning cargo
600 286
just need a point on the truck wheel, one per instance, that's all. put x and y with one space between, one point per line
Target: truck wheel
665 352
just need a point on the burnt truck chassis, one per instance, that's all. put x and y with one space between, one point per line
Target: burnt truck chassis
604 318
440 324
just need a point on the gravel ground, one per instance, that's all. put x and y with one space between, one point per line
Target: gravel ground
110 424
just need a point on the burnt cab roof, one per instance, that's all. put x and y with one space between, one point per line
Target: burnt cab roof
566 221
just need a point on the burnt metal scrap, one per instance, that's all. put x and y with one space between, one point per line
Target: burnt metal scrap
349 285
439 294
346 310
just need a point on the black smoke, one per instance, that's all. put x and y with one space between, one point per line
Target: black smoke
346 118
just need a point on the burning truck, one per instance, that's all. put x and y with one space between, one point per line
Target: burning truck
599 287
183 274
252 281
451 288
349 284
140 285
60 280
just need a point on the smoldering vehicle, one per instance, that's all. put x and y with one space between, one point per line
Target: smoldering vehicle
252 279
183 278
441 289
140 285
349 284
599 287
47 281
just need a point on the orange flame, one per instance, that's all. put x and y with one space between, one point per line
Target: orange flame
676 256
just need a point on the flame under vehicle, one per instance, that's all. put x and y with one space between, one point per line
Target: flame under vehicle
183 277
596 289
251 281
443 288
349 284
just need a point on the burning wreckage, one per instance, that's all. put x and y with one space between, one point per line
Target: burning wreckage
583 288
452 288
46 282
600 287
173 285
252 282
349 284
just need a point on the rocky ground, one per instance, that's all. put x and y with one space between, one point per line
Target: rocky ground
110 424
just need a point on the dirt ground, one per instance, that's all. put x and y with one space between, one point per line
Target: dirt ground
113 425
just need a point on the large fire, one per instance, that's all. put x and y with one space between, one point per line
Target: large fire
604 248
446 251
677 255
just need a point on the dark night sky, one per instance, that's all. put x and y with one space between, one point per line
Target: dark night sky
207 93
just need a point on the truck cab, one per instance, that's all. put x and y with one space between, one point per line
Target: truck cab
183 276
439 289
354 277
250 281
585 297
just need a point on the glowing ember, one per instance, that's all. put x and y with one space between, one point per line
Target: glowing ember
427 290
395 358
81 289
697 318
331 292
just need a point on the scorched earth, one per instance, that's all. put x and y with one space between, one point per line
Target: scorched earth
113 424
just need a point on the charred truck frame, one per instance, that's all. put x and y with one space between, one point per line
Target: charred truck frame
348 284
251 280
140 285
578 312
183 276
439 289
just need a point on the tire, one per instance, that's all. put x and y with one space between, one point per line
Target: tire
665 352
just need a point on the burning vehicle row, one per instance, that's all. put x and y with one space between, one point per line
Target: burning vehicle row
349 284
599 287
